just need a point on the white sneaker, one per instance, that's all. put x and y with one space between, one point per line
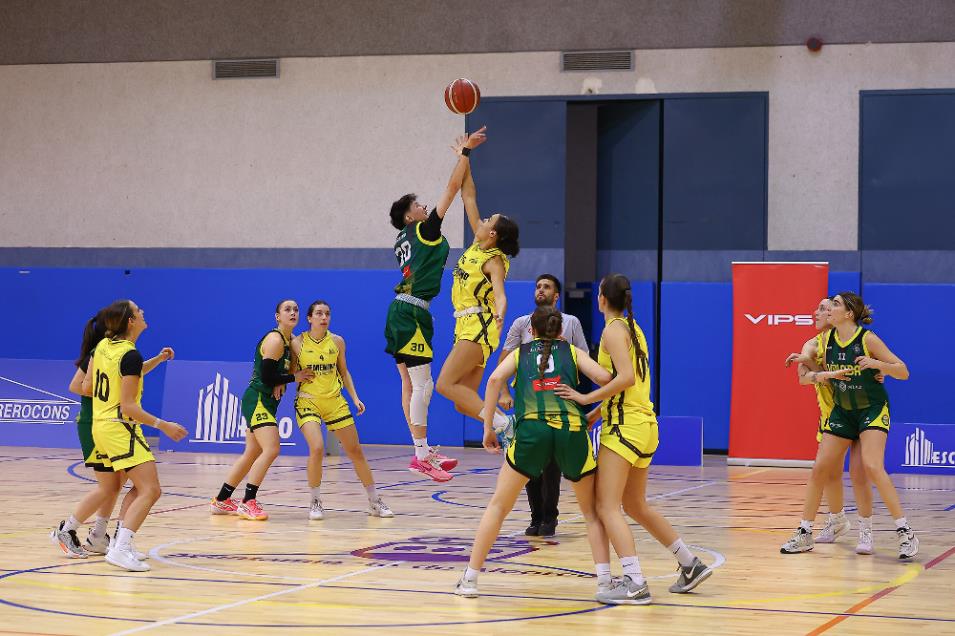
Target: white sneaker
835 528
316 512
379 508
124 559
140 556
908 543
801 541
97 545
465 588
865 545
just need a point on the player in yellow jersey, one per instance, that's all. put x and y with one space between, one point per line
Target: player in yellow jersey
102 500
628 440
116 386
479 305
811 364
320 400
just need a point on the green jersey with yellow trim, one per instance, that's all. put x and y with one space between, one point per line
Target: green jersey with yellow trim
534 396
421 262
285 363
861 390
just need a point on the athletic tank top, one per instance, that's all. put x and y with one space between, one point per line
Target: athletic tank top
421 262
861 390
472 288
634 400
534 397
823 389
284 364
321 357
107 378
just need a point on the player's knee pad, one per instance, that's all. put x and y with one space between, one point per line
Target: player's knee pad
422 387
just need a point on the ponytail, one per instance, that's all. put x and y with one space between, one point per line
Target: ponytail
547 323
615 289
93 332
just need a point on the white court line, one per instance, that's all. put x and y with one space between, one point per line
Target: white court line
681 491
219 608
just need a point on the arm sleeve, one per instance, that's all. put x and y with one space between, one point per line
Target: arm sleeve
577 334
84 365
431 227
271 375
131 364
513 340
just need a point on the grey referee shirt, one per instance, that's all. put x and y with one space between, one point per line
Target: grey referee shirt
520 332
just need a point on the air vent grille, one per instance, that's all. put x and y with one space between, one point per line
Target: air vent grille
234 69
596 61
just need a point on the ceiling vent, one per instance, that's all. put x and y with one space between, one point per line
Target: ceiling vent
596 61
234 69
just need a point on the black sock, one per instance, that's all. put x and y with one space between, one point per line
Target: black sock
251 490
225 492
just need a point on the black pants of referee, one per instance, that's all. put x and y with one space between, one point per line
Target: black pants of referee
543 494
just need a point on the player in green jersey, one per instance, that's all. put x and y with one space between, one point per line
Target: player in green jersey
853 357
421 251
271 371
548 428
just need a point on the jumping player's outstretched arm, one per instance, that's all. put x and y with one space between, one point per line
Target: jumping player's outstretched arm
346 376
473 140
469 198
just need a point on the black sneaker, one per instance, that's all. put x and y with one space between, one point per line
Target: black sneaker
532 530
548 529
691 576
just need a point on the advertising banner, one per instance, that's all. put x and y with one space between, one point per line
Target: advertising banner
35 407
773 417
206 397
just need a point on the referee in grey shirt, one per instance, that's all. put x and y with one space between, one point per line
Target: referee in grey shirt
543 493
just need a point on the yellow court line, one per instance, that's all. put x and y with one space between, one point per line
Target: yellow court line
911 573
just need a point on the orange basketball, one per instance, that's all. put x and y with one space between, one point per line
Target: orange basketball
462 96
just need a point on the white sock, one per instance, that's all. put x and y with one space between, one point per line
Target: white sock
317 493
372 493
681 552
865 522
470 574
123 537
806 525
603 573
838 516
71 524
421 448
631 568
99 526
900 523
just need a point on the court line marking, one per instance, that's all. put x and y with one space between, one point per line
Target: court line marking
262 597
875 597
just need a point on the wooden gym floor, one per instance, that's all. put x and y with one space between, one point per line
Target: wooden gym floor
355 574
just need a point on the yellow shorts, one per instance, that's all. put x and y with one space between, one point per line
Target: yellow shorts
636 442
333 411
121 444
479 328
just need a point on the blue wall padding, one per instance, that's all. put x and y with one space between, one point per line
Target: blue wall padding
696 365
915 322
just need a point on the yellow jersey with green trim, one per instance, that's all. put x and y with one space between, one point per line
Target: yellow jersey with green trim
321 356
823 389
634 400
107 378
472 287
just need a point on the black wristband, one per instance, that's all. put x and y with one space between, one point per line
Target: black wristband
465 152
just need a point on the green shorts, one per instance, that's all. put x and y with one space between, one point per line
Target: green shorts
259 409
536 444
92 458
409 330
849 424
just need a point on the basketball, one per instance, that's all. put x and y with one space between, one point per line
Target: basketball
462 96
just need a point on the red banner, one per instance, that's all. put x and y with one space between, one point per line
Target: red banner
772 416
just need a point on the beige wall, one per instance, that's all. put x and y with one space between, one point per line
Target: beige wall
157 154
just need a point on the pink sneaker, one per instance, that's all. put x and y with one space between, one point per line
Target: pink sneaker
252 511
446 463
429 467
228 507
